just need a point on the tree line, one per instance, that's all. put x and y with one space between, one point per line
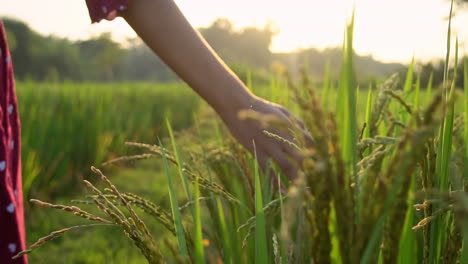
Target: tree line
247 51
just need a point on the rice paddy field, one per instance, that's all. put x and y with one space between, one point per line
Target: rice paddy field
385 180
68 126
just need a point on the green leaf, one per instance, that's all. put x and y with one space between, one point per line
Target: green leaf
261 253
199 252
178 157
175 207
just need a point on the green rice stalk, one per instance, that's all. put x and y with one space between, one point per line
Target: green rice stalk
366 133
52 236
148 207
382 103
183 177
175 253
192 203
204 183
408 164
342 196
438 227
441 225
199 251
276 250
261 252
129 158
210 186
140 238
132 226
268 210
409 78
72 209
134 216
416 93
216 210
368 162
464 253
316 165
465 77
425 221
429 85
348 125
107 203
281 139
378 140
175 208
228 251
400 100
409 247
391 194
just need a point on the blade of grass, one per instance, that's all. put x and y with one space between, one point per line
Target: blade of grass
416 93
439 226
448 131
219 209
261 253
368 117
227 257
429 87
409 77
465 77
183 177
348 93
199 252
378 226
408 243
366 134
464 254
175 207
407 90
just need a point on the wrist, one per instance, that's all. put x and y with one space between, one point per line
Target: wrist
233 101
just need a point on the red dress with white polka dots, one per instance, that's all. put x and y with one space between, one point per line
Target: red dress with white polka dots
12 232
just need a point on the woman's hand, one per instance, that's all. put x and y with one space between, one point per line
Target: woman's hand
248 121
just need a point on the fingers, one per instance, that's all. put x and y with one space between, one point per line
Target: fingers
287 158
308 139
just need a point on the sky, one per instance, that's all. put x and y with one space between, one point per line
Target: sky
389 30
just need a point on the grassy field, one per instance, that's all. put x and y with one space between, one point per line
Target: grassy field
384 182
382 151
66 127
381 209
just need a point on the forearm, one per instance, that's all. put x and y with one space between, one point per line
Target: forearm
165 30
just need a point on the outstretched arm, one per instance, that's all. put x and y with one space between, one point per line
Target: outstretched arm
166 31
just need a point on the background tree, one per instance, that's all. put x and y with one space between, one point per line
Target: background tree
246 50
249 46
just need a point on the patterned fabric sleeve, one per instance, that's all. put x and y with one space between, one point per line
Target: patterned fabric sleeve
105 9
